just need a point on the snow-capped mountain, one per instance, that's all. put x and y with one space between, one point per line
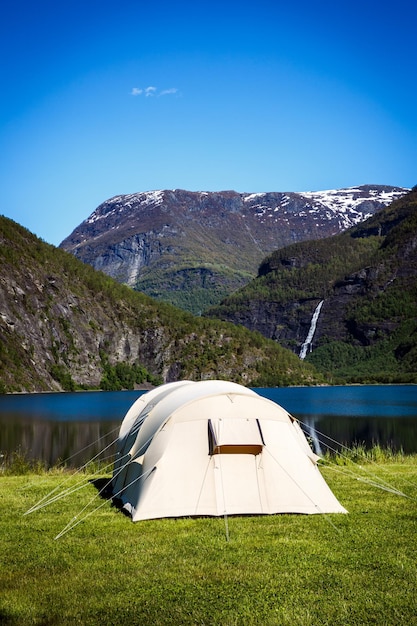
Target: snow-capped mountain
192 248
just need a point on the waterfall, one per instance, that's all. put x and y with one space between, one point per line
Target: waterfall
311 332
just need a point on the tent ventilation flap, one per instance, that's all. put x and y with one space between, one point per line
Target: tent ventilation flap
234 436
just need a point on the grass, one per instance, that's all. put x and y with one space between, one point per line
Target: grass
353 569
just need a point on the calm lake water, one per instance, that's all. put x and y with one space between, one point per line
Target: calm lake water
77 426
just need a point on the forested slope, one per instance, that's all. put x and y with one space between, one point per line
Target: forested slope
367 279
64 325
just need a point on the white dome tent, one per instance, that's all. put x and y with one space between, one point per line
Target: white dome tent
215 448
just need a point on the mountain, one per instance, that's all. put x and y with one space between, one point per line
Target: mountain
362 287
193 248
64 325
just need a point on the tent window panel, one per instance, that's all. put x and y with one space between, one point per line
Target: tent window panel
235 436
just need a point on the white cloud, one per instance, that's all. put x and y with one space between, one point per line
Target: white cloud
152 91
167 92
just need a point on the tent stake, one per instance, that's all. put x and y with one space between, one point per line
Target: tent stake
226 525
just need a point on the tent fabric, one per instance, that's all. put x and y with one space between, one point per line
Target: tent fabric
215 448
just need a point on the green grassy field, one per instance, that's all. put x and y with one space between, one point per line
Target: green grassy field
353 569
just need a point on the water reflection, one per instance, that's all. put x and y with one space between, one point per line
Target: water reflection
54 427
313 434
58 427
56 442
333 431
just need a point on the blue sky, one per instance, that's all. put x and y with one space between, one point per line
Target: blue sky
102 98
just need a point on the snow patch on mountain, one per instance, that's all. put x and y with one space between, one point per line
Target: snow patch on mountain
352 197
349 206
118 204
253 196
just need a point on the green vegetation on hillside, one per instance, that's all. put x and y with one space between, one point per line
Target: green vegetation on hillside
367 276
125 376
320 263
387 311
193 288
66 326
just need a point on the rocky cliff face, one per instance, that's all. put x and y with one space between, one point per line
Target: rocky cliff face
366 279
63 326
154 241
289 322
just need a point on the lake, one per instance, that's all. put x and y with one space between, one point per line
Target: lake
53 427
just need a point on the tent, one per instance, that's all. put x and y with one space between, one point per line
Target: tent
215 448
